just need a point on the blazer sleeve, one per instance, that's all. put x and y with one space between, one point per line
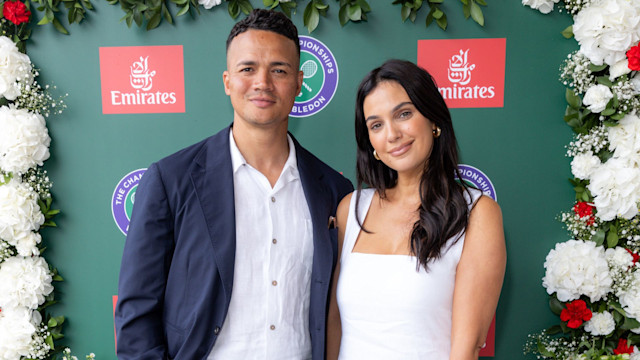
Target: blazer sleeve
143 272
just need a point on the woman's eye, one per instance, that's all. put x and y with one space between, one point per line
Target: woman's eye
405 114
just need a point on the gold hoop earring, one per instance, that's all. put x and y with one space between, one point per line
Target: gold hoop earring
375 155
436 132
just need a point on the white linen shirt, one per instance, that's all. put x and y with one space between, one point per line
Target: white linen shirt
268 316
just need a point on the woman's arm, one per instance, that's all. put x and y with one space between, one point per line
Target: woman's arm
334 329
479 278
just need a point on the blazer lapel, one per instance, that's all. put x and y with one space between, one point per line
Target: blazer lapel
212 177
319 202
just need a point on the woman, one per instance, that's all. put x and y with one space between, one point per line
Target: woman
422 260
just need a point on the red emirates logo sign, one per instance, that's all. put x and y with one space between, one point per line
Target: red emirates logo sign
142 79
469 72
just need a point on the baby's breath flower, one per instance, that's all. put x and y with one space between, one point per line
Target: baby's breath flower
575 72
595 141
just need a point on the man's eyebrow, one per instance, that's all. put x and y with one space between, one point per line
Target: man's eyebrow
274 63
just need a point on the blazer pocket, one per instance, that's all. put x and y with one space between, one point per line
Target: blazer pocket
175 339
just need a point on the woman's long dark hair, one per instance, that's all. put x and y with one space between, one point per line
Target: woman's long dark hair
443 211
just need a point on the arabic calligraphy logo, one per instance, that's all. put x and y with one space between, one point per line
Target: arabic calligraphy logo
141 77
459 68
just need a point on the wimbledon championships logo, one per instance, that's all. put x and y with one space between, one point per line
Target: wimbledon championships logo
320 79
477 179
123 198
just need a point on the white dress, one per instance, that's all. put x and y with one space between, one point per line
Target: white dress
388 309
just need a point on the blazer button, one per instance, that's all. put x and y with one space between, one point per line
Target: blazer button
216 331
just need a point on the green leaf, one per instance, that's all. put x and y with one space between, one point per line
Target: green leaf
598 238
482 2
604 80
466 10
442 22
44 20
612 237
155 19
182 11
49 341
597 68
404 13
630 323
233 8
608 112
364 5
59 27
343 16
245 6
555 329
52 323
568 32
476 13
556 305
573 99
57 278
354 12
269 3
437 14
311 17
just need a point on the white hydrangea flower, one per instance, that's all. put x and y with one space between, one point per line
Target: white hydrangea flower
597 97
27 243
17 326
619 257
24 282
635 83
606 29
601 324
618 69
15 67
544 6
208 4
624 139
24 140
616 189
583 165
630 299
19 211
576 268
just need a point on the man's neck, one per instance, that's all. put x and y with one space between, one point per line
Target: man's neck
265 149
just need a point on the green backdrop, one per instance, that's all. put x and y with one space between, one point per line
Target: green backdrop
520 146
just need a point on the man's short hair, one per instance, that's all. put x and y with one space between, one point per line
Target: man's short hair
269 20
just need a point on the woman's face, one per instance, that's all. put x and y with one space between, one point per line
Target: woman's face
400 134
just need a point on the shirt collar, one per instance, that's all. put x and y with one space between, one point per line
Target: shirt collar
289 171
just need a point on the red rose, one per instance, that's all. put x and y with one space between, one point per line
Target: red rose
576 313
633 55
636 257
16 12
582 209
623 348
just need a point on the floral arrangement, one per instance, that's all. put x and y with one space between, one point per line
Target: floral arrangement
593 279
27 331
140 12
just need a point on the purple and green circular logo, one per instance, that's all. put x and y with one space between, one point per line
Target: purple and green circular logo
477 179
320 79
123 198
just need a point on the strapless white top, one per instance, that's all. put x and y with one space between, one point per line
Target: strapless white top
389 309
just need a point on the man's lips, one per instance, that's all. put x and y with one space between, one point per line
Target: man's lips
261 101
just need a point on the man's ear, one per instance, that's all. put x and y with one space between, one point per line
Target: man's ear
300 79
225 81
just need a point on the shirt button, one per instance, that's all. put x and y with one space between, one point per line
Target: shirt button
274 241
274 283
272 327
273 199
216 331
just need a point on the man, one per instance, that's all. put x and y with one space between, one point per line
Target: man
230 248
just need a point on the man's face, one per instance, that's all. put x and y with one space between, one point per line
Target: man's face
262 77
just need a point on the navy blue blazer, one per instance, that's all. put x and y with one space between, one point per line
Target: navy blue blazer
176 276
